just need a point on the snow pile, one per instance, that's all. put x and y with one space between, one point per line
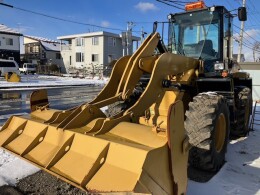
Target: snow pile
50 81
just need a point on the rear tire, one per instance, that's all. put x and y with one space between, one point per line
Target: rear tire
207 125
243 103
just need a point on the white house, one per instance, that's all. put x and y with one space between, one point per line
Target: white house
9 43
82 51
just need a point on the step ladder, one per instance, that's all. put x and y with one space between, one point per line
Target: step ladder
253 120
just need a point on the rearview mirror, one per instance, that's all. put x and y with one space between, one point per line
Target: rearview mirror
242 15
155 26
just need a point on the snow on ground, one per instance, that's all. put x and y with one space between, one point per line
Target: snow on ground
29 81
12 168
240 174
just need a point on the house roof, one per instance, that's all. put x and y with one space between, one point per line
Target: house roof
41 39
51 46
6 30
93 34
48 44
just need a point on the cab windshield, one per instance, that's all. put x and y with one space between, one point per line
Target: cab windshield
195 35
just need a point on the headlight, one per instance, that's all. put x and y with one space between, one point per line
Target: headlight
219 66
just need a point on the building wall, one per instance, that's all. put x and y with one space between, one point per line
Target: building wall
107 49
115 51
66 55
13 50
51 56
94 49
29 40
78 49
253 68
104 49
87 49
16 42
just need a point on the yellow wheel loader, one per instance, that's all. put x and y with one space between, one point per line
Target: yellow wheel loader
144 148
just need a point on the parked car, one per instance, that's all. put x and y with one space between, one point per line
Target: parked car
28 68
8 66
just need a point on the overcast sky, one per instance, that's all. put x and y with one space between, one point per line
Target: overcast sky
112 14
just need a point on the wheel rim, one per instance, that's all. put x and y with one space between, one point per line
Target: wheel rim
220 132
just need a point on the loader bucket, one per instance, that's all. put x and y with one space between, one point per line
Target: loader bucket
129 158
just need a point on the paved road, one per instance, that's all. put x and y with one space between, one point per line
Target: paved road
17 102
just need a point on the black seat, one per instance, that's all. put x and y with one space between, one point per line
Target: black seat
206 46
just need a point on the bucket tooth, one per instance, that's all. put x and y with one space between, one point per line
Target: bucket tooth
81 158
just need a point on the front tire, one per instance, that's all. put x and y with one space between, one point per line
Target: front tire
207 125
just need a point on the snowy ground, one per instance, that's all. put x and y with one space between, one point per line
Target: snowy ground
49 81
240 175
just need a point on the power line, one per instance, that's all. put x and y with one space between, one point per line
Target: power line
58 18
245 33
165 2
252 7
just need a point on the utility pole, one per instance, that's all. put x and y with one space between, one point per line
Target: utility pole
129 28
241 36
143 34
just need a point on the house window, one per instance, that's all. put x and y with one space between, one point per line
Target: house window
70 60
79 57
95 41
79 42
9 41
58 56
94 57
36 49
112 41
43 54
0 43
33 49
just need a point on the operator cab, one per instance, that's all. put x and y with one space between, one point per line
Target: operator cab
203 33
